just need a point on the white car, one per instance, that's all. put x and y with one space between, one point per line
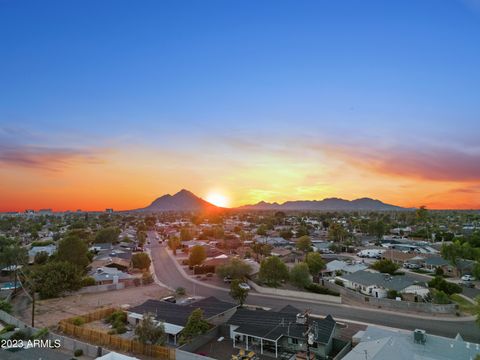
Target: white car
244 286
467 278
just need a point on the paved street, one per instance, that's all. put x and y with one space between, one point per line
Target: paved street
168 274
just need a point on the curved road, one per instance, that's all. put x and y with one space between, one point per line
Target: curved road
168 274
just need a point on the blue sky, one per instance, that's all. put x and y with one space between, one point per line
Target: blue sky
177 74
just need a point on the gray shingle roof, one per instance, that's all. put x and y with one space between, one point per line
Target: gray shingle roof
367 278
178 314
272 325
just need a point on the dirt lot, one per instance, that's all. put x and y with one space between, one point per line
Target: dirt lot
49 312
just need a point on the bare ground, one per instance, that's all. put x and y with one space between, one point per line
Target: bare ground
49 312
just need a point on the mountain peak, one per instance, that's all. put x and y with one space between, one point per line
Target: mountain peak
184 200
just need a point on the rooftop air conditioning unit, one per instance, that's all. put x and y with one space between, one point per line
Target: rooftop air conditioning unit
301 319
420 336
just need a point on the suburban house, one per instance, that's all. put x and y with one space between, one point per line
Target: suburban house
274 241
382 344
397 256
434 262
213 263
174 317
283 253
279 333
342 267
107 275
377 284
49 249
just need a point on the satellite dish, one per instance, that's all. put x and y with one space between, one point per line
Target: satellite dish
310 339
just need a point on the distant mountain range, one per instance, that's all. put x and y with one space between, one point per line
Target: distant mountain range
185 200
330 204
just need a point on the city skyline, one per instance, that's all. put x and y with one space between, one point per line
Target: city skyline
106 105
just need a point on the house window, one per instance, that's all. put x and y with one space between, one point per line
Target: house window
293 341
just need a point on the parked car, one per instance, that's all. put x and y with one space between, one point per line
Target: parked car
467 277
170 299
468 284
227 279
244 286
411 266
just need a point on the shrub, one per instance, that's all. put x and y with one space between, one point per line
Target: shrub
440 297
5 306
392 294
7 328
180 291
117 316
385 266
41 243
447 287
78 352
88 281
78 321
318 289
41 334
20 335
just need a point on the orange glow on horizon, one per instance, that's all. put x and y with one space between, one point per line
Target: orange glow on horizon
132 180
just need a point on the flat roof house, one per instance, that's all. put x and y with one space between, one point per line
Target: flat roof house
381 344
175 316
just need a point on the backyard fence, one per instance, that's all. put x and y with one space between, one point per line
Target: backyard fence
102 338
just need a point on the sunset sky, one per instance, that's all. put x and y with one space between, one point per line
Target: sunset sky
113 103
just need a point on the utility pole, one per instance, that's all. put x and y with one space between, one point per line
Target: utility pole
33 308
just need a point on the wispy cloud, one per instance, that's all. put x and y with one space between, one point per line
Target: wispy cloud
428 163
51 159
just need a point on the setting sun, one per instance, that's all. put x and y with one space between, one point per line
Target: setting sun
217 199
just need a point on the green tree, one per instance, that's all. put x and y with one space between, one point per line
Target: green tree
197 255
304 244
315 263
185 234
337 233
262 230
476 270
11 253
447 287
72 249
273 271
55 278
149 331
40 258
196 325
107 235
385 266
260 249
452 252
237 293
440 297
235 269
141 261
286 234
300 275
477 309
174 243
